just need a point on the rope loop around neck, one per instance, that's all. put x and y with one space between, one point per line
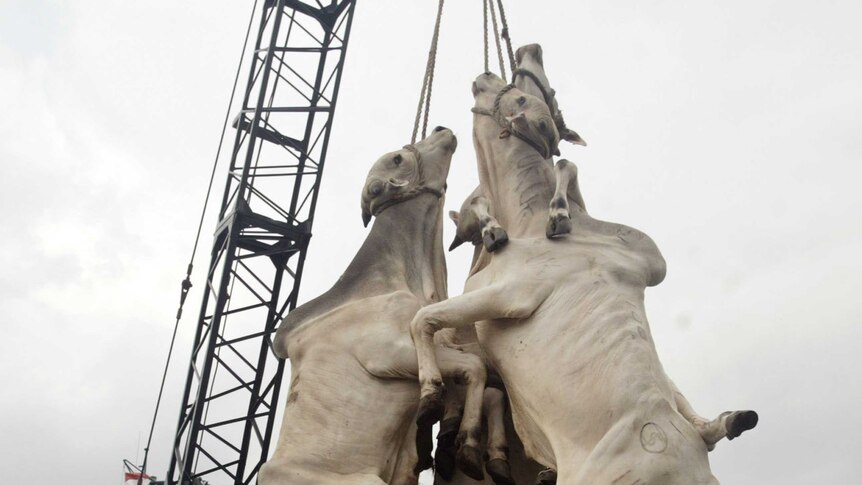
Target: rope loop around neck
494 112
548 96
419 188
505 124
533 77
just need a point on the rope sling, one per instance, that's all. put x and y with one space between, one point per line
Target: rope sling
488 5
428 80
424 106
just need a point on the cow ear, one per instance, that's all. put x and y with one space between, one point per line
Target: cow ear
398 183
519 121
455 243
456 217
572 137
512 118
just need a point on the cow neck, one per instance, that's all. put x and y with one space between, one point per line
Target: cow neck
517 180
403 252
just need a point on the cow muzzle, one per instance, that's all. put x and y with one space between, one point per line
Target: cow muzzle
541 134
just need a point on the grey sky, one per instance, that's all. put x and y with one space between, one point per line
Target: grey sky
728 131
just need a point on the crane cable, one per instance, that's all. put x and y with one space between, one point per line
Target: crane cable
428 80
186 284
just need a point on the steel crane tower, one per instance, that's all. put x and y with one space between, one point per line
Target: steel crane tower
282 133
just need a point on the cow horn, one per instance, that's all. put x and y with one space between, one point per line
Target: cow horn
456 242
366 218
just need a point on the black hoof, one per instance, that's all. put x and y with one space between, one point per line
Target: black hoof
739 422
558 225
425 462
444 461
548 476
494 238
498 468
469 461
430 408
444 457
424 445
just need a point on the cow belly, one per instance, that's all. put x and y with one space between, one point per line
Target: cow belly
651 445
573 369
339 419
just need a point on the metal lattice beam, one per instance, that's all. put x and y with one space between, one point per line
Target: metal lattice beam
258 253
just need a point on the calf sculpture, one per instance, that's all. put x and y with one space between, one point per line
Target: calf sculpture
353 394
573 306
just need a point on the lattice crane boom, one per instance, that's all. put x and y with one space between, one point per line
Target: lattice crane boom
282 133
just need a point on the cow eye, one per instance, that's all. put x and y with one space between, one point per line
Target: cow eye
522 100
397 160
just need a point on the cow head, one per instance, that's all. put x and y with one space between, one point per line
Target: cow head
524 115
405 173
468 226
475 223
530 58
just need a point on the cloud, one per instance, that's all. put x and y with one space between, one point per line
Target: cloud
728 132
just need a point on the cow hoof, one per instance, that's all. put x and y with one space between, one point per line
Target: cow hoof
430 408
424 445
444 461
469 460
548 476
498 468
558 225
740 421
444 457
425 462
494 238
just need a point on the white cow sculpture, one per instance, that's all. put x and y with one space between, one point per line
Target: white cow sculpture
529 120
353 394
530 77
563 322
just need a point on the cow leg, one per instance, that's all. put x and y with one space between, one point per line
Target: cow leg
493 235
494 408
729 424
548 476
275 474
476 224
559 217
514 300
444 455
399 361
466 369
